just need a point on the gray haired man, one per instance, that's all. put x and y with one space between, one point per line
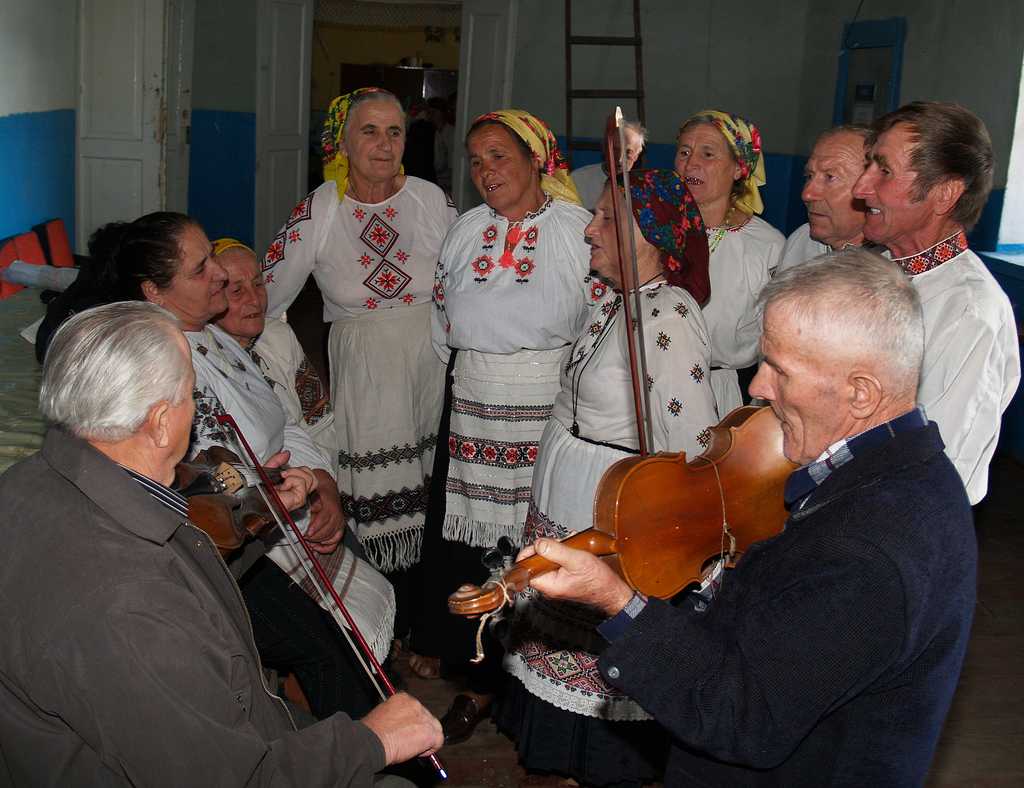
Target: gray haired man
831 653
127 655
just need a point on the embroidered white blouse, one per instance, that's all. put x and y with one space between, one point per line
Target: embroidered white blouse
534 296
228 380
365 256
597 388
742 262
971 362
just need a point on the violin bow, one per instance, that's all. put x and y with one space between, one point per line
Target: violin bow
629 276
323 583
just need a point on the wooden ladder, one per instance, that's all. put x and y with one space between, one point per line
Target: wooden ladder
571 93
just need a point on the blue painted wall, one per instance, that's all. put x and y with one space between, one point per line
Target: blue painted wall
37 170
222 173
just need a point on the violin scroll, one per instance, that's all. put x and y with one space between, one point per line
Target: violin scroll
470 600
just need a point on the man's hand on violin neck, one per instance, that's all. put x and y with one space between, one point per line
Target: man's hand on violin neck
581 577
405 728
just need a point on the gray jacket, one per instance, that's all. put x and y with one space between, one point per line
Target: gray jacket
127 655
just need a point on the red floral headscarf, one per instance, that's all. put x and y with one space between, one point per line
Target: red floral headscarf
670 220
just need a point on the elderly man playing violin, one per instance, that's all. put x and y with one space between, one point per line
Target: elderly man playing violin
127 655
831 652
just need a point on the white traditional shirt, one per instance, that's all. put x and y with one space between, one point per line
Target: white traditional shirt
590 181
228 381
365 256
971 362
800 247
597 388
743 259
533 296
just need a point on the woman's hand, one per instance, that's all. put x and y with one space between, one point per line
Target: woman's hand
327 522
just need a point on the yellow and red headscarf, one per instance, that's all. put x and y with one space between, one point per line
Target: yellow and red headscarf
744 140
334 158
555 180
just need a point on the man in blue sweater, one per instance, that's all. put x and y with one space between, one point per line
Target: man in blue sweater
831 653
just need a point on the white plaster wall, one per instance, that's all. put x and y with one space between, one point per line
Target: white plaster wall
772 62
744 57
37 55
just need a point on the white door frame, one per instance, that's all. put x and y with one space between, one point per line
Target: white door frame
181 30
486 60
284 64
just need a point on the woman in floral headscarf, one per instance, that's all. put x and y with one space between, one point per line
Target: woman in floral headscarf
719 156
512 291
562 715
371 235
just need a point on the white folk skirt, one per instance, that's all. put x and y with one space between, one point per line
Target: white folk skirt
500 405
387 386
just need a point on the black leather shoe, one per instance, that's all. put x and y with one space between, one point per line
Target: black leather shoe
461 719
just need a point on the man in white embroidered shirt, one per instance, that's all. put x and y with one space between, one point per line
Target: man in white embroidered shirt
928 175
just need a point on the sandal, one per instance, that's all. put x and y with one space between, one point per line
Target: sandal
428 668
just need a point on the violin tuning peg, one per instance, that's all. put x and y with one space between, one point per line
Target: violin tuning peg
493 559
506 547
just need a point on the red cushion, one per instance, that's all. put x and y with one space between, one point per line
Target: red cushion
54 236
24 247
29 249
8 254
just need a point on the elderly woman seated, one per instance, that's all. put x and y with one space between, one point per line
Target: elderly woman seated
272 345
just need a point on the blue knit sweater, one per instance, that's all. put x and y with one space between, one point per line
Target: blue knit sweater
832 652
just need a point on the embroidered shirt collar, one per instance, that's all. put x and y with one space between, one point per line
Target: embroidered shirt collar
930 258
529 217
805 480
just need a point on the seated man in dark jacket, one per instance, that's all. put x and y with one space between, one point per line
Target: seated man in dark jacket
831 653
127 655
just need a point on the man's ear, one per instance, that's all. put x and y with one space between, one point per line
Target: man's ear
866 394
151 292
946 195
157 424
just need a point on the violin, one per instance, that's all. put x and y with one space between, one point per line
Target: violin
662 520
220 499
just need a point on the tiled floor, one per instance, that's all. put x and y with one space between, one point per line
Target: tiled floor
982 745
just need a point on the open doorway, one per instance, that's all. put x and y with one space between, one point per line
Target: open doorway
410 50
